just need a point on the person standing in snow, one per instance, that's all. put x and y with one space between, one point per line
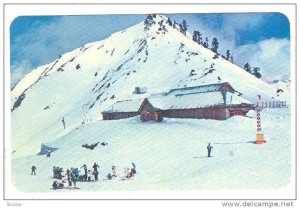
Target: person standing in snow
54 171
114 173
33 168
73 177
209 147
95 171
85 172
63 121
89 176
69 183
133 170
68 174
130 172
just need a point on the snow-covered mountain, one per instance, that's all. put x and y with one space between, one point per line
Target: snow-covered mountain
80 84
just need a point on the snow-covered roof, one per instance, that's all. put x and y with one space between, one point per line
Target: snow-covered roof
188 101
199 89
198 100
234 99
125 106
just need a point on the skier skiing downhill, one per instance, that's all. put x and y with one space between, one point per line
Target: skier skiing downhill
209 147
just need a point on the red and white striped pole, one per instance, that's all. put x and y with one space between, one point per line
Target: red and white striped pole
259 134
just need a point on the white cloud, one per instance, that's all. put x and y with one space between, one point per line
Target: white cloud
18 71
44 42
271 55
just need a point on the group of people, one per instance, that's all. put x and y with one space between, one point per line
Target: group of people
57 172
129 172
82 174
71 177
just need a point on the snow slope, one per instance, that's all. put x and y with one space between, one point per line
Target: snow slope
170 155
80 84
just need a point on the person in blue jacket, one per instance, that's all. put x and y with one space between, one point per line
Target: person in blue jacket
209 147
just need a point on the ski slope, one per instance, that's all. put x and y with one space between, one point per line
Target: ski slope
170 155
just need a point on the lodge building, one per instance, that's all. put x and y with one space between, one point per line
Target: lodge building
215 101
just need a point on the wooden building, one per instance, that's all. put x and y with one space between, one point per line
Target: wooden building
122 109
216 101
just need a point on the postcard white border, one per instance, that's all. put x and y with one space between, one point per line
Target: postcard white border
13 10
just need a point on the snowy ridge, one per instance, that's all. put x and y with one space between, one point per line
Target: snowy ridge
82 83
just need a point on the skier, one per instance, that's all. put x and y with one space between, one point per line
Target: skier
63 121
114 173
73 179
54 171
70 183
33 168
76 172
84 166
133 170
68 174
95 171
209 147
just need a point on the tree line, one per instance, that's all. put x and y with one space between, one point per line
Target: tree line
197 37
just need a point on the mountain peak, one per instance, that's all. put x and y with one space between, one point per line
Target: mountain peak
156 54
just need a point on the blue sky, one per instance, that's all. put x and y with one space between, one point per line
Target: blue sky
38 40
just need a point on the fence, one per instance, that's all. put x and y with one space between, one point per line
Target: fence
273 104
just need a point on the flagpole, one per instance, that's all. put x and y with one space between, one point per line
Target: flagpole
259 134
